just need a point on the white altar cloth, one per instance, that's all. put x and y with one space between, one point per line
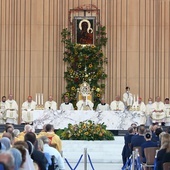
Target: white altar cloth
112 119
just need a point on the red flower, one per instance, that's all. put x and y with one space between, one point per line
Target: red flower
76 80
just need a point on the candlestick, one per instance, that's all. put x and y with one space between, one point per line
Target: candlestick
42 99
38 98
86 99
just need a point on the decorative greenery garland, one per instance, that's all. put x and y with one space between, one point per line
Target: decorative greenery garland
85 63
85 131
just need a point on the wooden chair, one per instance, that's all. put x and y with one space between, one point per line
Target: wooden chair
150 157
139 150
166 166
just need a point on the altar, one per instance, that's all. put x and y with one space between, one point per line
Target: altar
114 120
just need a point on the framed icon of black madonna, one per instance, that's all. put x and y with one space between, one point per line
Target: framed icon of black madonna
84 29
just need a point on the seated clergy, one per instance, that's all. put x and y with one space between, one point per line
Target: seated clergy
167 107
148 112
2 110
27 110
50 104
102 106
140 106
66 105
84 104
117 105
11 109
158 111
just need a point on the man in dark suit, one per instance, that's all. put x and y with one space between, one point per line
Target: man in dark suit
138 140
37 156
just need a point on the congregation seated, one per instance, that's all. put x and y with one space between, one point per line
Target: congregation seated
165 141
138 139
37 156
102 106
53 138
27 128
8 159
27 110
84 104
66 105
126 152
155 135
50 104
117 104
52 152
149 143
158 112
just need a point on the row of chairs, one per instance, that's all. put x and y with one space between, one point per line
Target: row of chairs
150 154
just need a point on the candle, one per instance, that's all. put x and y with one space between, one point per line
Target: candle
86 100
42 99
36 98
134 99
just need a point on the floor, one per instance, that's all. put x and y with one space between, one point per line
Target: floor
114 163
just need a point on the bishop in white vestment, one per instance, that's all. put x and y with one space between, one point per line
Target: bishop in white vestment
50 104
84 104
102 106
11 109
158 111
140 107
28 108
117 105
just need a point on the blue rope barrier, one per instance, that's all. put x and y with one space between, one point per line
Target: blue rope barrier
76 164
90 162
68 164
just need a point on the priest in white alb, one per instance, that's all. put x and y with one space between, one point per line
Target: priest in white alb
117 104
50 104
139 106
28 108
167 107
149 112
158 111
128 98
84 104
66 105
2 110
102 106
11 109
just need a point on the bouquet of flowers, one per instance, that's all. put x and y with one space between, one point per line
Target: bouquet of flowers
87 130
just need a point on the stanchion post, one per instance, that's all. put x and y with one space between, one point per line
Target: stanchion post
133 160
85 158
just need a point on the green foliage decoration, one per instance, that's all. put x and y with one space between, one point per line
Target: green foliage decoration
87 130
85 63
